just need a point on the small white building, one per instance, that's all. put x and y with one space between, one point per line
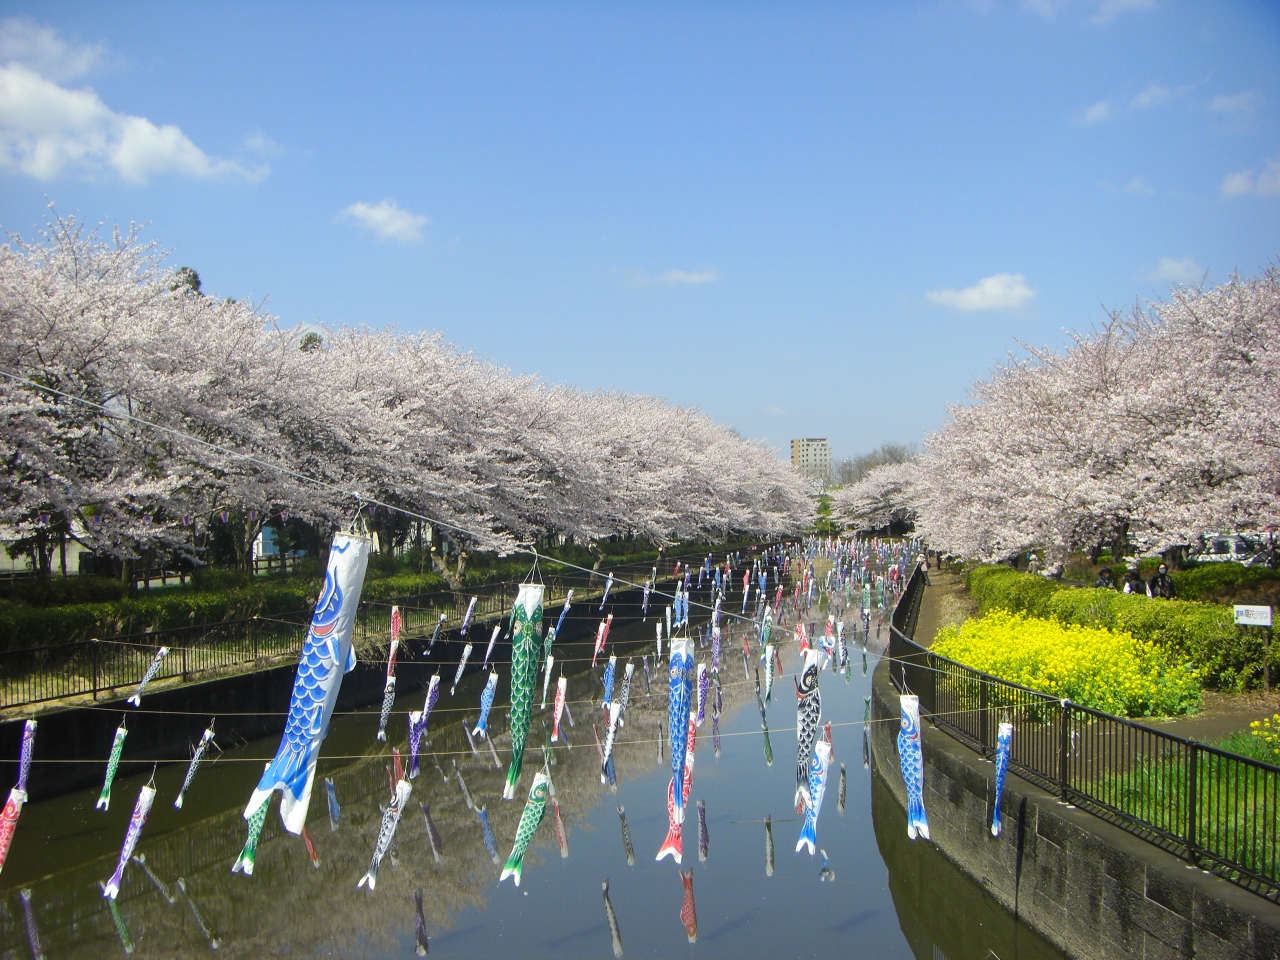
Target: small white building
812 457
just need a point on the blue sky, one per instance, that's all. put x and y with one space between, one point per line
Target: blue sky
806 219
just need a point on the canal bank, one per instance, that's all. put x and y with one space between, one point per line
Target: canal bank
73 743
1089 888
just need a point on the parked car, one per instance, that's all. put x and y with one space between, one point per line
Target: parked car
1234 548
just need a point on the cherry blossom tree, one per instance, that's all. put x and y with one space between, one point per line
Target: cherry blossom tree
229 397
1159 425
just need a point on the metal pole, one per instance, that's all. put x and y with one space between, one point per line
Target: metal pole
1192 799
94 643
1064 742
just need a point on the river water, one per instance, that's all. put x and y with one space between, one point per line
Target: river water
888 897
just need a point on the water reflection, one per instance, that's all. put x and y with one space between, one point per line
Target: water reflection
972 924
439 879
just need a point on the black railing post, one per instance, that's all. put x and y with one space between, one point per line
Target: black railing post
253 635
94 647
184 663
984 731
1064 743
1192 801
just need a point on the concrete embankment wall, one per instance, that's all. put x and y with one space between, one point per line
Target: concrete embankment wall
72 745
1091 889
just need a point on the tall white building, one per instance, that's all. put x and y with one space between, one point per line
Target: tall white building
812 457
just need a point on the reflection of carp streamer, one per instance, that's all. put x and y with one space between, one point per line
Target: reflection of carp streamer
326 656
390 820
534 809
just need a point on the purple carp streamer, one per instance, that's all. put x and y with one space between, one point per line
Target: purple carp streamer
138 820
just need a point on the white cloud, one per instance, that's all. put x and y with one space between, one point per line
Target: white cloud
1265 184
1108 10
1098 113
1244 102
1153 96
1001 291
695 277
387 221
1169 270
638 278
1236 112
47 131
44 51
1104 11
1139 185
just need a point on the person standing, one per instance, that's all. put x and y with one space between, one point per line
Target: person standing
1132 583
1161 584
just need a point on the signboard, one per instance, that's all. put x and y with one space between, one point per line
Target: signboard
1253 616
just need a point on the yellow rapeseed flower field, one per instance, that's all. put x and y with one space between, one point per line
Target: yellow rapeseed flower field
1104 669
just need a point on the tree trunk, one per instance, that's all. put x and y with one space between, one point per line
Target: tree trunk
441 565
1120 541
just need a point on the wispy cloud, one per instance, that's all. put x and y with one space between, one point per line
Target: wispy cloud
1235 112
1171 270
1108 10
47 130
1153 96
1001 291
1246 102
1100 112
41 49
386 221
1266 183
1101 12
1139 185
639 278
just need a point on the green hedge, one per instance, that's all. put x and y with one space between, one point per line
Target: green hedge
1200 633
25 626
1217 581
218 594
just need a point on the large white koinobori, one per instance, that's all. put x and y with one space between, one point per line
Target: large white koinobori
326 656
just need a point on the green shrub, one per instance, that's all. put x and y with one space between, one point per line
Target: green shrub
1200 633
56 590
1211 581
997 587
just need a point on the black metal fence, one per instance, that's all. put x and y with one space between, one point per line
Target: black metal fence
108 666
1218 810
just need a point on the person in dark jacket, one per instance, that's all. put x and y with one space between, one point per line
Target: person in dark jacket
1132 583
1105 580
1161 584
